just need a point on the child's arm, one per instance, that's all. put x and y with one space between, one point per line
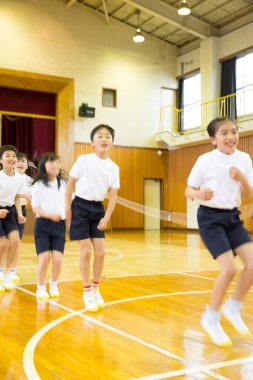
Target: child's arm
21 218
3 213
110 207
70 188
28 197
203 194
43 214
237 175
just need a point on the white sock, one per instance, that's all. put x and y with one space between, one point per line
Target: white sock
53 283
236 303
41 287
13 270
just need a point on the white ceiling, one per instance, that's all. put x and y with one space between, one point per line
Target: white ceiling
159 18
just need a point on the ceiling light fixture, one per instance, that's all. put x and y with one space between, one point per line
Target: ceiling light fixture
138 37
184 9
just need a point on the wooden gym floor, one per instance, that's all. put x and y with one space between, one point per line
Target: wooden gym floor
155 286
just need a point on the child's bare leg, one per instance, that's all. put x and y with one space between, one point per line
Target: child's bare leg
56 265
211 317
245 280
99 257
231 308
225 277
98 265
44 260
84 262
14 242
57 258
4 248
88 296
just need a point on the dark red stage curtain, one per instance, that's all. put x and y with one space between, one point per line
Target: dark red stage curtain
27 101
18 131
43 136
30 135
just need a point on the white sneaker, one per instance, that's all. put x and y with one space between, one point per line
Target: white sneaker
54 291
89 301
98 298
14 277
231 311
8 284
42 294
210 322
2 288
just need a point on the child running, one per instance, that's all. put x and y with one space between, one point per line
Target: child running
22 168
11 188
91 177
217 180
48 203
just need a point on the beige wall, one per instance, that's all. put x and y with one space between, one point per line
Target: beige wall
46 37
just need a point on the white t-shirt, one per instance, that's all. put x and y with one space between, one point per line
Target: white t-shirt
49 198
211 170
10 186
94 177
27 189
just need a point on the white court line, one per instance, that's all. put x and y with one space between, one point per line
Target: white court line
28 356
132 275
203 277
188 371
107 259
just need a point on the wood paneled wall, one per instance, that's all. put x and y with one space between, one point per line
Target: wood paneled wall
173 167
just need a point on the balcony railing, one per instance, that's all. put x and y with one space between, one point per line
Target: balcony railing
195 118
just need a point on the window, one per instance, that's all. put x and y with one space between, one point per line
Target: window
244 85
191 103
109 97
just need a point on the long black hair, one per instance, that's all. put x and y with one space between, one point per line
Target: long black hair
42 173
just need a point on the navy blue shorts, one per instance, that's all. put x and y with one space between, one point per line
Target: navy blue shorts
49 235
21 227
221 230
9 223
86 216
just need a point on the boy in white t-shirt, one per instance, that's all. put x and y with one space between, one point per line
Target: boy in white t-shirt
90 178
11 189
217 180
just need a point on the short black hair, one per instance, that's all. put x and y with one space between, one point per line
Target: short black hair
21 156
215 124
4 148
100 126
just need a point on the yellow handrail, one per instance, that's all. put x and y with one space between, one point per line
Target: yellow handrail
171 117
